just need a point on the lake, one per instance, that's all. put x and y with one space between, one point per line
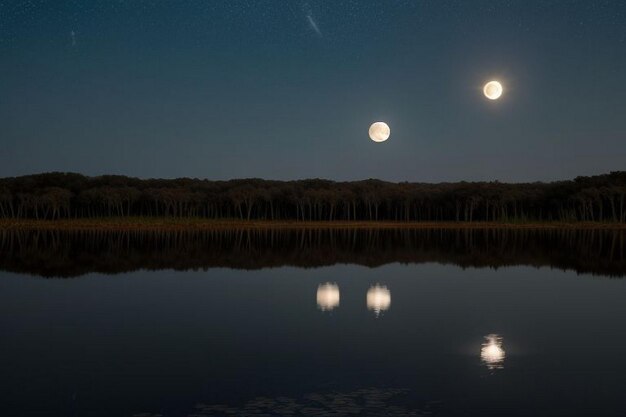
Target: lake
313 322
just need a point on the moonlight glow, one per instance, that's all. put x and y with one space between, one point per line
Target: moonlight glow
379 132
492 353
327 296
378 299
493 90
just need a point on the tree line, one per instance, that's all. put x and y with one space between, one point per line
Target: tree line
68 195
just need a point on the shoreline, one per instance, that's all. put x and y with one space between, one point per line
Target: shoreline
194 224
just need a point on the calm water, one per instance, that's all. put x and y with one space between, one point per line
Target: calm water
444 323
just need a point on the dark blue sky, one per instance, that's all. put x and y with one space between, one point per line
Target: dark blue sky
287 89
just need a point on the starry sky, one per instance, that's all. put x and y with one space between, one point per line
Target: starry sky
287 89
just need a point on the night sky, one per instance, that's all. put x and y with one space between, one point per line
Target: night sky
287 89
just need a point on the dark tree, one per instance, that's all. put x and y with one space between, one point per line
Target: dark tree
59 195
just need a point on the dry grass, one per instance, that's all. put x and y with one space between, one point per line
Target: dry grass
171 224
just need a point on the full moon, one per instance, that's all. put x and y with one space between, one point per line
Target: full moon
493 90
379 131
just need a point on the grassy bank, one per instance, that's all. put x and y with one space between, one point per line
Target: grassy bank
175 224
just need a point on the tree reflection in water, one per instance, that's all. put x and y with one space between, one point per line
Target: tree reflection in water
69 254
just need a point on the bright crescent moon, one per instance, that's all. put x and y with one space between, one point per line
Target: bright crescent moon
379 131
493 90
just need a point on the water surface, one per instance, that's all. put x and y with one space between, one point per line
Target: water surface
449 323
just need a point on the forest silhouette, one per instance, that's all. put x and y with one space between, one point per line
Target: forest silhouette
57 195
